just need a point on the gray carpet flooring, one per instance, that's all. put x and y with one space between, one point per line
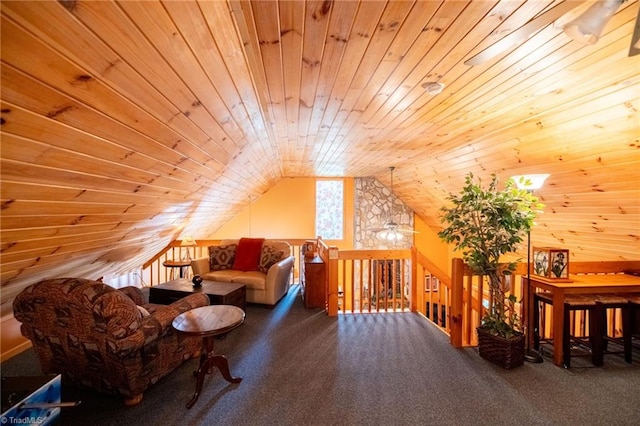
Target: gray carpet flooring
300 367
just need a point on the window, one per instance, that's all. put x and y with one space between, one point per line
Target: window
330 209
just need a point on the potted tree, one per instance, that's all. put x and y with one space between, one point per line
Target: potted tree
487 223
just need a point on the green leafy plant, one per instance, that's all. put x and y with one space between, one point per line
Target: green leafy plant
485 224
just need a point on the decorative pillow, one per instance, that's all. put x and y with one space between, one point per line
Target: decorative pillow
270 256
248 254
222 257
143 311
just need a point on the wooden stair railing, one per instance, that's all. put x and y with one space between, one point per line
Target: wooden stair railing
350 280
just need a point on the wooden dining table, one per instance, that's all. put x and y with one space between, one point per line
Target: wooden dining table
587 284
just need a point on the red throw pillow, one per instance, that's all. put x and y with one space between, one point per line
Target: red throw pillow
248 254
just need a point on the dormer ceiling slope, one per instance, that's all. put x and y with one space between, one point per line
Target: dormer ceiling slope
126 124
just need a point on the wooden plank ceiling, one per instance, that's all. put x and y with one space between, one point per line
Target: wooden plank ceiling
127 124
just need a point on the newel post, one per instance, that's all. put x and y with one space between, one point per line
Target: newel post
457 283
414 278
332 282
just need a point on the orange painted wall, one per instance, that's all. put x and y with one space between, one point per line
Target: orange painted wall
287 211
429 244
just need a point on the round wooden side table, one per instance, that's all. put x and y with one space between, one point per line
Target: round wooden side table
208 322
180 264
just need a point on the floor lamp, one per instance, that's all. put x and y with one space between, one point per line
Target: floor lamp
188 242
529 183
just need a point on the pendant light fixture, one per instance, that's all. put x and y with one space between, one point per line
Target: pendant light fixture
391 230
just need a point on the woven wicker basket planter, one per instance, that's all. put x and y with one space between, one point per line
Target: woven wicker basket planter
507 353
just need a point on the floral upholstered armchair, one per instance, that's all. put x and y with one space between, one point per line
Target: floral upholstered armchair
103 338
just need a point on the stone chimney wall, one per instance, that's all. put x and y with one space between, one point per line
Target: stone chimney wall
372 209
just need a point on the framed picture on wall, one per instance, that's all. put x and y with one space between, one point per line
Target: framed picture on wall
430 283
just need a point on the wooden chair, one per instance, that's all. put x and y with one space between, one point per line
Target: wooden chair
605 303
572 303
629 304
632 338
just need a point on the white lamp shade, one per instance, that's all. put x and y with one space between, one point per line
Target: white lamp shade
389 235
188 242
530 182
588 27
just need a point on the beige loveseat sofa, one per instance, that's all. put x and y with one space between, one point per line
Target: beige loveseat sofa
265 268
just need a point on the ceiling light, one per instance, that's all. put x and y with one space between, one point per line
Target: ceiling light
389 235
433 88
530 182
588 27
390 231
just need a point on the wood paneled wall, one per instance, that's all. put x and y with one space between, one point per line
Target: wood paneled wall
127 124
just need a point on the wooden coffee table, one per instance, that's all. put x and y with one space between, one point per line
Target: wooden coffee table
208 322
220 293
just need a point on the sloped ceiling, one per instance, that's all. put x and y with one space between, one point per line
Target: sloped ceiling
128 124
